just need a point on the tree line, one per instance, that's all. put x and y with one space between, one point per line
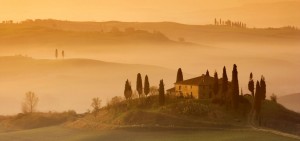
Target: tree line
220 22
258 92
128 92
57 54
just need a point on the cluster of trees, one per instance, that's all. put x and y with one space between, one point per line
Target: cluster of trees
260 92
234 97
230 23
139 87
62 54
8 22
146 90
229 92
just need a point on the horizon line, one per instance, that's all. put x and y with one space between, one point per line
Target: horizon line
103 21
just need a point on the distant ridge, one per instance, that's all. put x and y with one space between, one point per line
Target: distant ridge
112 32
291 101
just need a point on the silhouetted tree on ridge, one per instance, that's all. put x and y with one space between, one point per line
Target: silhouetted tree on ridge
146 86
230 23
216 22
179 75
224 82
139 84
235 87
251 85
263 88
128 90
216 83
161 93
207 73
257 100
56 53
63 54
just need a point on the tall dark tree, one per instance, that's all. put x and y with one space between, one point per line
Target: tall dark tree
179 75
63 54
139 84
56 53
251 84
263 88
146 86
235 87
224 81
216 83
128 90
257 101
161 92
207 73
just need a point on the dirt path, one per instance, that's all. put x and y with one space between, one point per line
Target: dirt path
252 124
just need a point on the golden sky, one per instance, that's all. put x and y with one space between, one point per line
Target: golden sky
184 11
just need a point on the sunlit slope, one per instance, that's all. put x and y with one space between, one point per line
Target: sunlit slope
70 83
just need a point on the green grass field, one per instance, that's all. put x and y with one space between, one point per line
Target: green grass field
58 133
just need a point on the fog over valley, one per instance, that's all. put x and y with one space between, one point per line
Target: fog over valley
155 49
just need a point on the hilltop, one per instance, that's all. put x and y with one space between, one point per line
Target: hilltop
187 113
144 116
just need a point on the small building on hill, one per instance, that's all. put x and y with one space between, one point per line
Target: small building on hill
199 87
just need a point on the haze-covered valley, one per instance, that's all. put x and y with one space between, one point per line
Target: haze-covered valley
160 49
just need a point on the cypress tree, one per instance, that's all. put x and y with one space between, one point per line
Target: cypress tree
146 86
63 54
128 90
179 75
216 83
235 87
139 84
161 93
224 81
56 53
257 101
207 73
251 85
263 88
216 23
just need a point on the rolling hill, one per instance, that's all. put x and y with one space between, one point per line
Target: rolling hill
272 52
65 84
291 101
179 119
201 34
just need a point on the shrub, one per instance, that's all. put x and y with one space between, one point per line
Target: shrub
273 98
190 107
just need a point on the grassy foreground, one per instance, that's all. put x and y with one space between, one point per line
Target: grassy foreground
59 133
